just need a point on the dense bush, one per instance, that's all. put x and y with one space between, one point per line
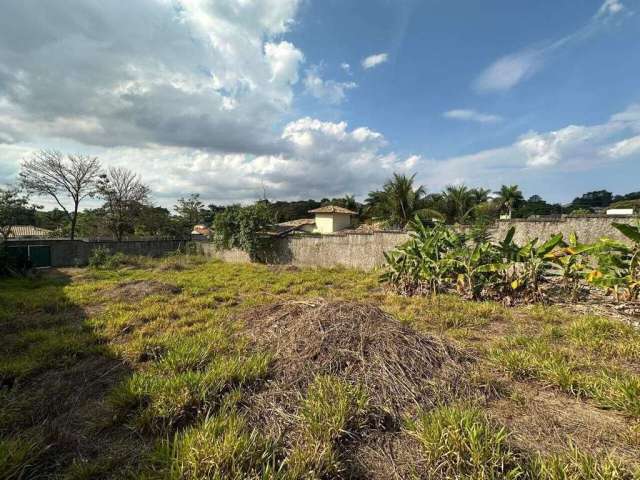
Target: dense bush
101 257
244 228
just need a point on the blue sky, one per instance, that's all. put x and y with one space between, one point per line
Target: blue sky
229 98
436 50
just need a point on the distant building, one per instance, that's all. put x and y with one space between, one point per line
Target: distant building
327 219
301 225
201 231
331 218
620 211
28 231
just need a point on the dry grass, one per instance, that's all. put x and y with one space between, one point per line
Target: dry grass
186 369
357 342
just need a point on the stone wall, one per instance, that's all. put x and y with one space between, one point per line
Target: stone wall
362 250
365 250
588 228
70 253
356 250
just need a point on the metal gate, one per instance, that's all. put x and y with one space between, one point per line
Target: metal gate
23 256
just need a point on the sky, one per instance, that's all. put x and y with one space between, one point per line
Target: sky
298 99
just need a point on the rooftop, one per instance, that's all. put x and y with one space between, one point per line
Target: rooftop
333 209
18 231
298 222
201 230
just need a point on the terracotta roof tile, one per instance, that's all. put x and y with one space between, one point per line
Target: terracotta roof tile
18 231
298 222
333 209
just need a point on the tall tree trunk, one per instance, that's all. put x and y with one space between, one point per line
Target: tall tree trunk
73 220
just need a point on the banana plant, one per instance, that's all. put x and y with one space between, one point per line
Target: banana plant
569 263
420 260
475 269
618 265
534 264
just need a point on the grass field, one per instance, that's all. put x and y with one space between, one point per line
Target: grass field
148 371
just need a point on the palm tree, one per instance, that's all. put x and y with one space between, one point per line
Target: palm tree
509 196
480 195
349 201
399 201
458 202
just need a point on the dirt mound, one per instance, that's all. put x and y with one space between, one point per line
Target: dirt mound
397 366
136 290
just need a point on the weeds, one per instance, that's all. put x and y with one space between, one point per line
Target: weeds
117 360
163 399
221 447
331 409
459 442
19 458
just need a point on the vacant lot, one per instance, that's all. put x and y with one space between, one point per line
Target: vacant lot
181 368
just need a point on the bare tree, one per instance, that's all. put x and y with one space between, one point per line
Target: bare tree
49 172
125 197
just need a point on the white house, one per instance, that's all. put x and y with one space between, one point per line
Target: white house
327 219
331 218
620 211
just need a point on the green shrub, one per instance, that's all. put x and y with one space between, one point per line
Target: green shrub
244 228
102 258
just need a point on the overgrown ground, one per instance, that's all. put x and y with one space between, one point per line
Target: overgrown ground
163 369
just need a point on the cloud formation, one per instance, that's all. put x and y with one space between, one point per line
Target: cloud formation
610 8
508 71
190 72
572 149
327 90
318 159
471 116
374 60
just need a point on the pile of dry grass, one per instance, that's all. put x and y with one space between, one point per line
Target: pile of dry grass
398 367
136 290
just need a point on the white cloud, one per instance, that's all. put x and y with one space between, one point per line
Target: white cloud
328 90
374 60
472 116
624 148
284 59
191 73
610 8
346 67
509 70
566 151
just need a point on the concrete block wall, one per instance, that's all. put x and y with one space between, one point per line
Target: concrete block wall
365 250
71 253
588 228
356 250
362 251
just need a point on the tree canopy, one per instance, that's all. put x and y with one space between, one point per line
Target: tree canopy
63 178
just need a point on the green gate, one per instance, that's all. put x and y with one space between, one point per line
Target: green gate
22 256
40 255
18 255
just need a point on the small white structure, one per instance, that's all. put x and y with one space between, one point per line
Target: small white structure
302 225
331 218
620 211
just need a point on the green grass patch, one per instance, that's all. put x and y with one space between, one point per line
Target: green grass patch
161 398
